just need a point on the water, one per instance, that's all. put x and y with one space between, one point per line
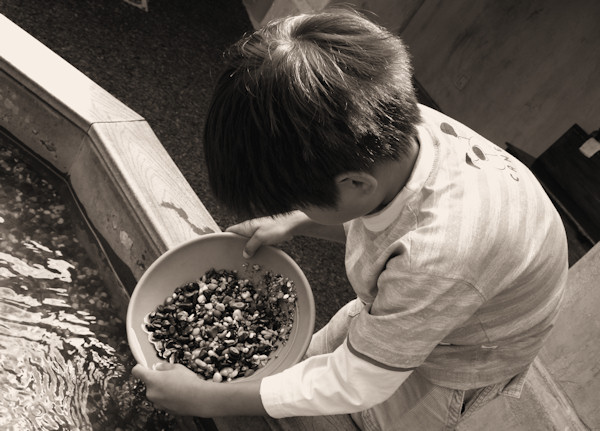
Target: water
64 359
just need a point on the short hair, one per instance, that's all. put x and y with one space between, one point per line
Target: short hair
301 101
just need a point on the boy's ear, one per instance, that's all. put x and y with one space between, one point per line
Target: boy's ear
357 182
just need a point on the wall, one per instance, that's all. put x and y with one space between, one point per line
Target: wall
516 71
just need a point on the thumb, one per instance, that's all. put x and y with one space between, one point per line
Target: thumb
163 366
252 245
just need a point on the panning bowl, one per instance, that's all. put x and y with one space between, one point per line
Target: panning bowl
187 262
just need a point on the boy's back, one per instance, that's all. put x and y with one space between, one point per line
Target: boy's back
470 260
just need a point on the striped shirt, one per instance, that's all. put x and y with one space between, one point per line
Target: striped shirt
462 275
464 271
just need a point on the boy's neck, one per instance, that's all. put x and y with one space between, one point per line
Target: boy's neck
394 175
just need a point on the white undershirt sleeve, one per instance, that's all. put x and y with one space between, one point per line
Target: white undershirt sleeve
333 383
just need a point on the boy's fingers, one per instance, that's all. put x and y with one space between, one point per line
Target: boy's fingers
252 245
140 372
163 366
143 373
246 228
235 229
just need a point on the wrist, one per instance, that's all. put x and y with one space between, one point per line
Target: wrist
234 399
299 223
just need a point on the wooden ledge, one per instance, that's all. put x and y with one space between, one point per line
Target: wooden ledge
55 81
132 191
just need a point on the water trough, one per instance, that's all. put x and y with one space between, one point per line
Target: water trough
134 197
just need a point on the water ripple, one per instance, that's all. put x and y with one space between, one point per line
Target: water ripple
64 359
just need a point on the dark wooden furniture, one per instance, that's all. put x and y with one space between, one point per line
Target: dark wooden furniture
573 180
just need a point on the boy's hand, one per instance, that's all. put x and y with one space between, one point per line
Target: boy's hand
267 230
175 389
178 390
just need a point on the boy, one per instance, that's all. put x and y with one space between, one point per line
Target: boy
457 256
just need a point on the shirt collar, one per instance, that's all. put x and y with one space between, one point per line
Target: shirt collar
421 171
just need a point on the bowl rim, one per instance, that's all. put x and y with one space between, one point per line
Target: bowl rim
308 310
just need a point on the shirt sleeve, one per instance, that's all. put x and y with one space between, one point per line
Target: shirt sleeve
410 316
328 384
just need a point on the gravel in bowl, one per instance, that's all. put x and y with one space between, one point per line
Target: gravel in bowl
227 318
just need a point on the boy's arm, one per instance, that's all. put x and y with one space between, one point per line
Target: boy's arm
327 384
274 230
304 226
178 390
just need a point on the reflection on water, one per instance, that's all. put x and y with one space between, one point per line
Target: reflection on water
64 359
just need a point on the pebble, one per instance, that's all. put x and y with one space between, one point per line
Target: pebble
232 331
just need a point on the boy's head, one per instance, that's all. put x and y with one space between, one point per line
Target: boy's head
303 100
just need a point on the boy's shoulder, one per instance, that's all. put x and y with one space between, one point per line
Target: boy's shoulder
442 125
479 205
